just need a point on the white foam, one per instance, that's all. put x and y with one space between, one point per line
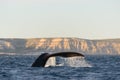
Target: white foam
51 62
70 61
75 62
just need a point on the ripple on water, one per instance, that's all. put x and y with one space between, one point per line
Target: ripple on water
18 68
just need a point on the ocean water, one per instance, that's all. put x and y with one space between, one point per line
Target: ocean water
18 67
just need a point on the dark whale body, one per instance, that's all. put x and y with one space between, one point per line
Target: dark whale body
42 59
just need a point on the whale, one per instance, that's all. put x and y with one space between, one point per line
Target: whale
42 59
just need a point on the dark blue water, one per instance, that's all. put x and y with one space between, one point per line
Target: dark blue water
17 67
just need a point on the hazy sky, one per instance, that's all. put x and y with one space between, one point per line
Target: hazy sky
90 19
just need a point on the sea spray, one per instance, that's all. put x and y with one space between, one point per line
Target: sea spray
69 61
51 62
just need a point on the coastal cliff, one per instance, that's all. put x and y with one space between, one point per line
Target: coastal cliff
93 47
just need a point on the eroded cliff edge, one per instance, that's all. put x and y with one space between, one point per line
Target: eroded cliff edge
107 46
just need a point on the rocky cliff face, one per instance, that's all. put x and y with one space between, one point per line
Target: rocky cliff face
110 46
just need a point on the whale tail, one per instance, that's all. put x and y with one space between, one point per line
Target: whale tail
42 59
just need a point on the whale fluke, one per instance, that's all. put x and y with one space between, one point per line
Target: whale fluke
42 59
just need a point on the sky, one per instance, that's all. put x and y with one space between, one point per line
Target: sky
89 19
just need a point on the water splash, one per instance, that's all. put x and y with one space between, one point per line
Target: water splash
70 61
51 62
